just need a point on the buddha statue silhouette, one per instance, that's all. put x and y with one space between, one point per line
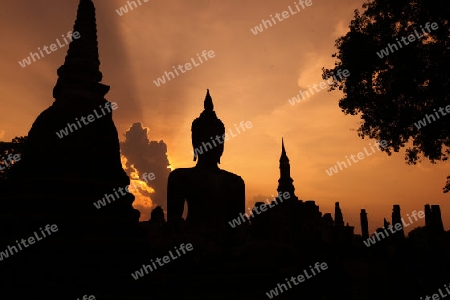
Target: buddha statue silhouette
214 196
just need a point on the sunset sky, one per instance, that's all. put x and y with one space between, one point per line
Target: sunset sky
251 77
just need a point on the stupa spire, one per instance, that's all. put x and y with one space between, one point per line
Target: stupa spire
285 181
81 68
283 151
208 104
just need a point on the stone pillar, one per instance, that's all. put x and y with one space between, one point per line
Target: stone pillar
364 224
396 218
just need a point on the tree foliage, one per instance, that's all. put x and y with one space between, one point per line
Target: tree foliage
16 146
394 92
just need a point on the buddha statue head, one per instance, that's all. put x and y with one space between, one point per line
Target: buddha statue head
207 134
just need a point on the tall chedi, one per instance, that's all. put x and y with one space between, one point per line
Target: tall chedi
284 217
285 181
60 177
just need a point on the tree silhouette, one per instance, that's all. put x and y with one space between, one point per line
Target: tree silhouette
408 82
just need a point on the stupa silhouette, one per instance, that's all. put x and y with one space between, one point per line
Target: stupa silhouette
60 178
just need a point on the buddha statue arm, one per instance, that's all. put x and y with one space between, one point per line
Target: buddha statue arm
241 197
175 198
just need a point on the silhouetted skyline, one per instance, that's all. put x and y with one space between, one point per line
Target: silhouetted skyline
253 82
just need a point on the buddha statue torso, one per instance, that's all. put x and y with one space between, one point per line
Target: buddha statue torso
214 197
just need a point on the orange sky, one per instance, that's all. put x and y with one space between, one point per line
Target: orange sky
250 78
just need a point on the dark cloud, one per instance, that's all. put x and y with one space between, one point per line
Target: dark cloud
147 157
